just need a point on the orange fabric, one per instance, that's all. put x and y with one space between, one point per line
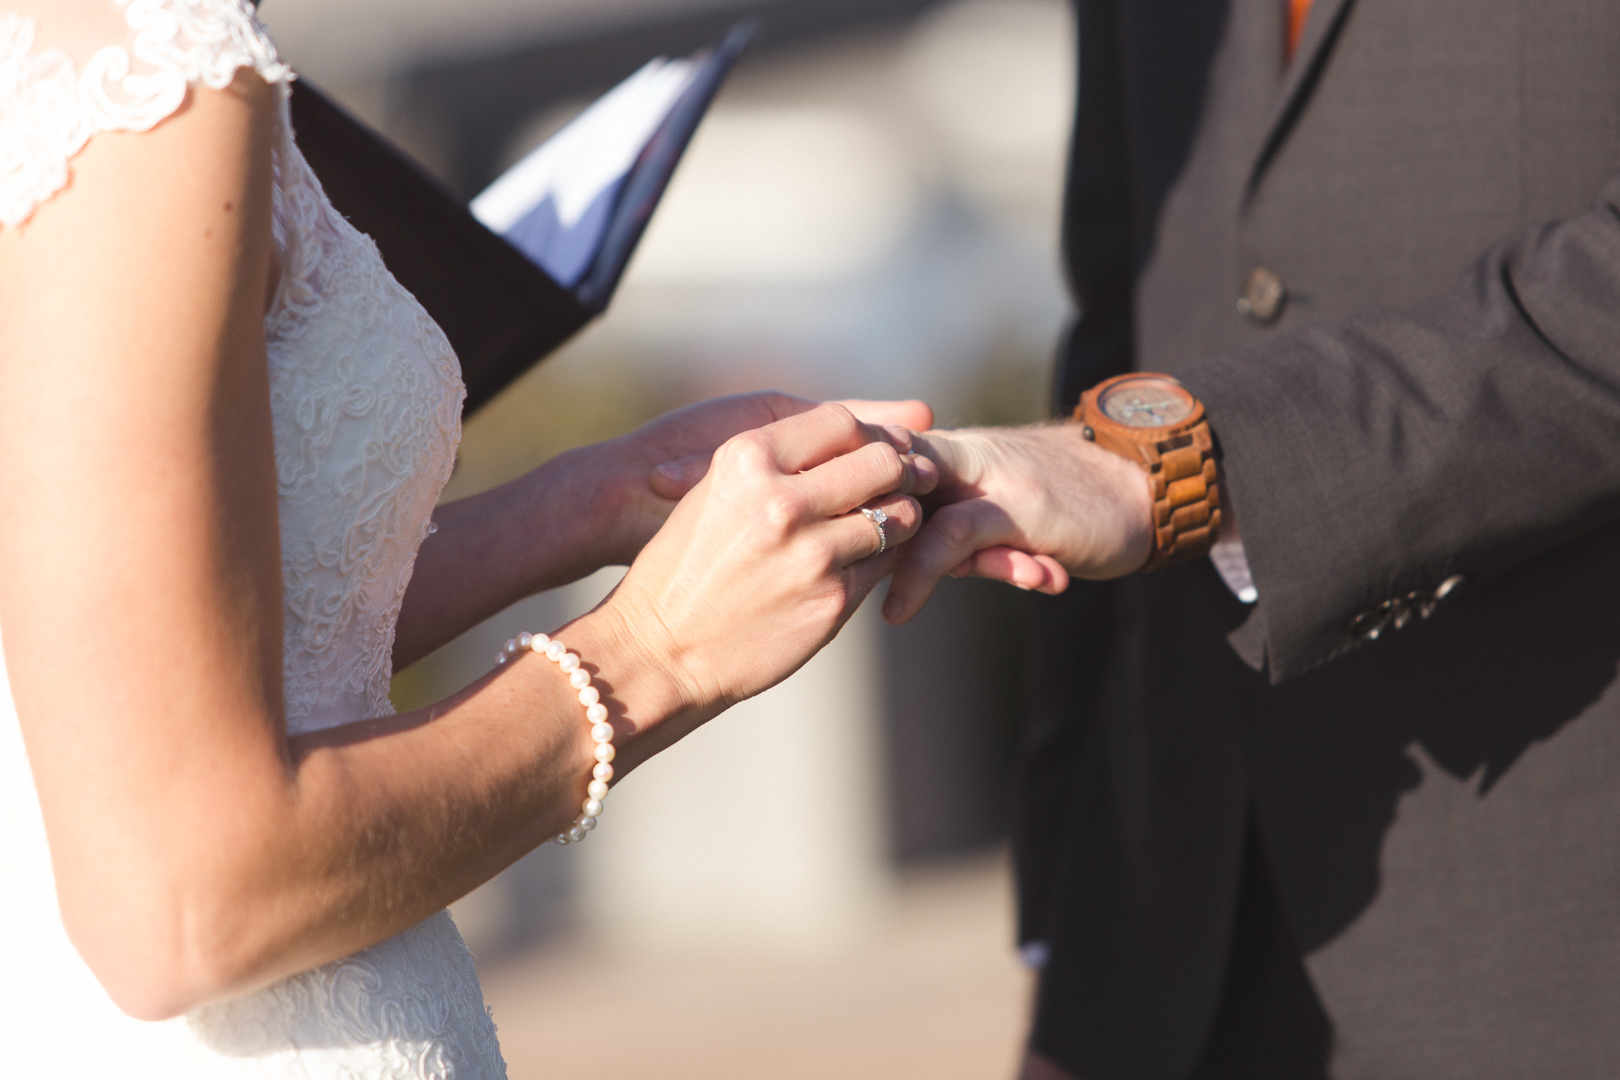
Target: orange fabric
1297 10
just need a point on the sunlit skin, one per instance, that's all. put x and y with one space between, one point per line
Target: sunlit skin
198 851
1029 506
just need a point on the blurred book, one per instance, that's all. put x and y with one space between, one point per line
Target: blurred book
572 213
577 204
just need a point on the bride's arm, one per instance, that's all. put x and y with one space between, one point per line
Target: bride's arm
199 852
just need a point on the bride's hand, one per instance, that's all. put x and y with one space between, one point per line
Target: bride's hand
642 474
763 561
590 507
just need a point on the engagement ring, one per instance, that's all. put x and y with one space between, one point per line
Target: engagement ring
878 518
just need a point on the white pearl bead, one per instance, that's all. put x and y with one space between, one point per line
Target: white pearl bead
500 658
596 712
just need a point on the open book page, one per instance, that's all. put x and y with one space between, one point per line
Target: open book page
555 205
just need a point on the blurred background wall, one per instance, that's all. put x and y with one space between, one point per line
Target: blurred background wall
813 885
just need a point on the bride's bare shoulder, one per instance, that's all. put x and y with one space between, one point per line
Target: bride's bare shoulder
128 199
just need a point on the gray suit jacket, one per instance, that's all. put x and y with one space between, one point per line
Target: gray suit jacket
1434 181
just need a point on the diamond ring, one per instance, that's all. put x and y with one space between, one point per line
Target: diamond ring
878 518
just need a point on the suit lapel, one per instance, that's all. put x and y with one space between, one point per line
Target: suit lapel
1299 78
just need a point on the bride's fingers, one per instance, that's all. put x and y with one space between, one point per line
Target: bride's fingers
812 438
840 485
857 537
914 415
673 479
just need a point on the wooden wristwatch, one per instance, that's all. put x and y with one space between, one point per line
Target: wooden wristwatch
1153 421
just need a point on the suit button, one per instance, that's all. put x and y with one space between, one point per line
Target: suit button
1263 297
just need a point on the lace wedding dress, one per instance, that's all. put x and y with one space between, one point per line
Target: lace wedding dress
366 396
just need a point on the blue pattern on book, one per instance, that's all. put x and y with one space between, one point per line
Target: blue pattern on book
564 251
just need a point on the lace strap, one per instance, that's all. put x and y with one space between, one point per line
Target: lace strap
50 106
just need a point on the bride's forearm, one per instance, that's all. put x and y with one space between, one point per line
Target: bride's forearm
369 829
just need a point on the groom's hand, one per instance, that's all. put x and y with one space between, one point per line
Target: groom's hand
1029 506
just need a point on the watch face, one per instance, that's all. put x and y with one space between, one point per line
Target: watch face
1147 402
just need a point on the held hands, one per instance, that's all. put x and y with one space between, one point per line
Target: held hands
764 555
644 473
765 558
1028 506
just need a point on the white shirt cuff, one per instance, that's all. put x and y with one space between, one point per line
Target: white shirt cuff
1233 566
1035 953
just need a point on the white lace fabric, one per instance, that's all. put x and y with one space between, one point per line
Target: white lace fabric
366 401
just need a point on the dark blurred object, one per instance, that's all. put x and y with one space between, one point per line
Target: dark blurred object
952 731
500 312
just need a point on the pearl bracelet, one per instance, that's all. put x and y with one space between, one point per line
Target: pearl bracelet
595 712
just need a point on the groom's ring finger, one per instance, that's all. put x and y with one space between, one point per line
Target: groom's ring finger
878 527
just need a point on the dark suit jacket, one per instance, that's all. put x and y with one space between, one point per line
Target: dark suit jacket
1435 182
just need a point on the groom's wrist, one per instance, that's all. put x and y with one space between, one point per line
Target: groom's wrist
1156 424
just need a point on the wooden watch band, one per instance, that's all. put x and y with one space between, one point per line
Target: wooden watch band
1186 498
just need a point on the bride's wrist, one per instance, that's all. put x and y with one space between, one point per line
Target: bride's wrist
556 529
646 703
591 491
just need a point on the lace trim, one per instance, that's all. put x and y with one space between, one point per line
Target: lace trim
49 109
